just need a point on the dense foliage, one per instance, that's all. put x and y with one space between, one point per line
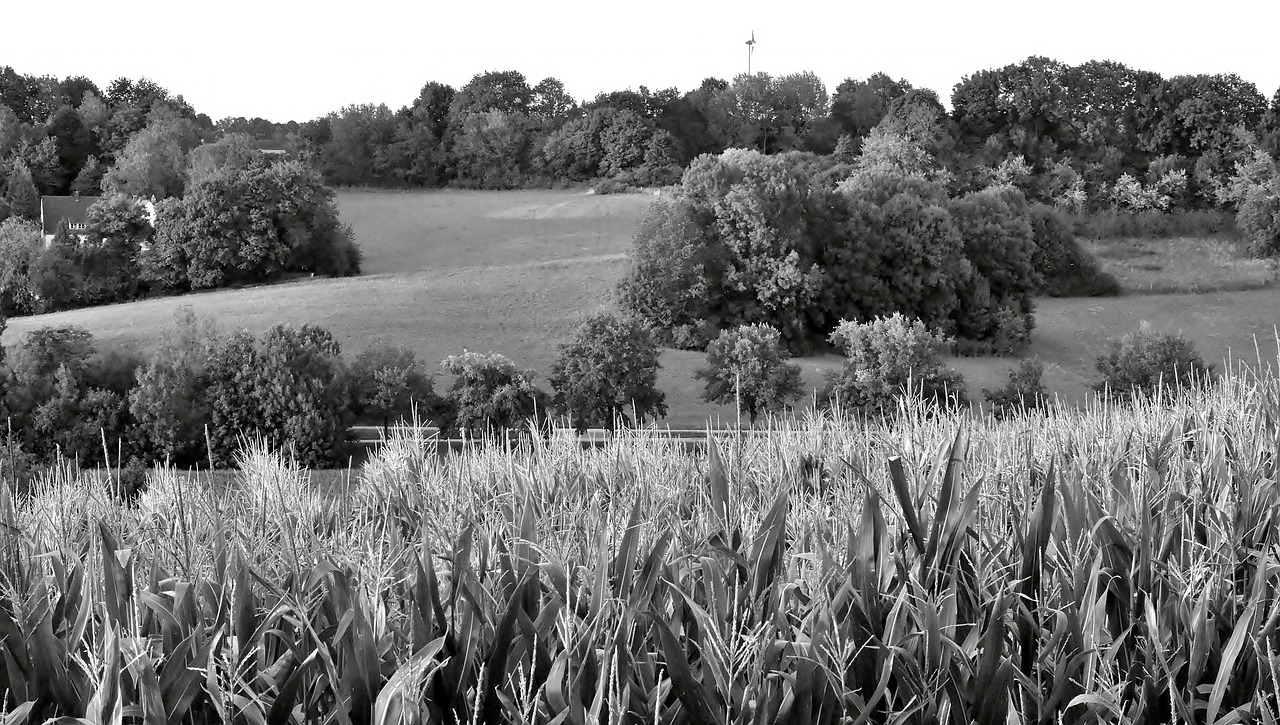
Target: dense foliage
887 358
749 367
489 394
1146 363
753 239
1024 392
607 375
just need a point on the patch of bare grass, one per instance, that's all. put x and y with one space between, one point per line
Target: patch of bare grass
1181 264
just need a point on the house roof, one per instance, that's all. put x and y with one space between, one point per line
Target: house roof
54 209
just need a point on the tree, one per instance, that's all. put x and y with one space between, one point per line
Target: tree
891 217
232 153
996 299
49 371
919 117
490 394
859 105
390 384
250 224
75 144
748 366
607 373
490 149
550 100
1268 130
288 387
21 195
76 418
21 242
503 91
358 134
170 402
668 279
88 181
118 230
154 161
759 210
57 272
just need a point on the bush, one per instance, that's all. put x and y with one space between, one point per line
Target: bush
1024 392
288 387
667 283
170 404
1066 269
609 186
894 249
389 384
885 357
127 484
1144 362
749 367
248 225
607 373
994 315
490 394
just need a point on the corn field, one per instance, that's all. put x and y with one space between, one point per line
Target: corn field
1107 564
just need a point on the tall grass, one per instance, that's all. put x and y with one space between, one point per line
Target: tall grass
1111 224
1107 564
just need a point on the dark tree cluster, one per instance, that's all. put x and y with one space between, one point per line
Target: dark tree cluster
224 212
201 393
749 239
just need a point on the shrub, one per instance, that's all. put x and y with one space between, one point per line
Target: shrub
1066 269
885 357
748 366
288 387
389 384
1024 392
490 394
1143 362
609 186
607 373
127 483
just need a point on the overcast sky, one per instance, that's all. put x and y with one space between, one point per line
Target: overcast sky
299 60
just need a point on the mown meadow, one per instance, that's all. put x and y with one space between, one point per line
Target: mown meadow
1107 563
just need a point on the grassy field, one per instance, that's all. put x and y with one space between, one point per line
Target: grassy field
1181 264
514 272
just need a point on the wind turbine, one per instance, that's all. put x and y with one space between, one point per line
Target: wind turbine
751 46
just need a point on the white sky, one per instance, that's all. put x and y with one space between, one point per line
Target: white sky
299 60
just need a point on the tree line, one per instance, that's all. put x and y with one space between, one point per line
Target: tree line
1101 131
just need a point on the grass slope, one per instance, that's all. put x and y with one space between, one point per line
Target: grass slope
514 272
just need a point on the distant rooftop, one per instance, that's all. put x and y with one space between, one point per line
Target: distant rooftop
74 209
